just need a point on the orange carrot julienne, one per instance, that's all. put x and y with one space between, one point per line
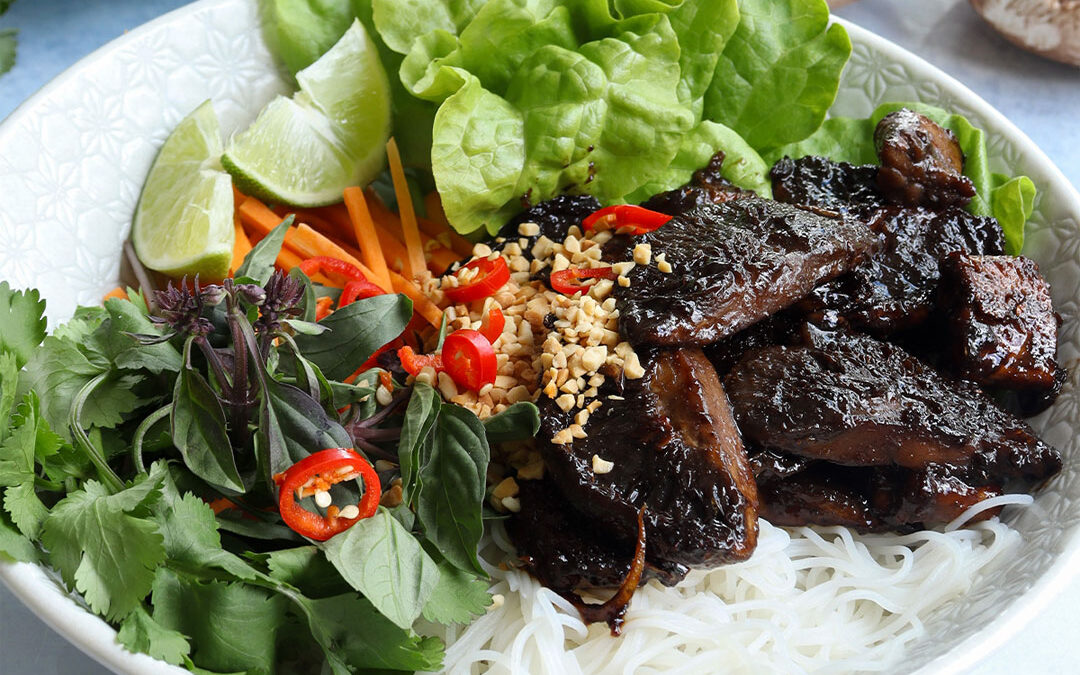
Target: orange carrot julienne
409 229
311 244
119 292
258 216
422 305
287 259
366 235
241 247
441 257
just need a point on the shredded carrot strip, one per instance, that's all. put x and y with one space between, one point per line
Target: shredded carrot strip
441 257
436 222
304 242
409 229
119 292
241 247
287 259
258 216
366 235
422 305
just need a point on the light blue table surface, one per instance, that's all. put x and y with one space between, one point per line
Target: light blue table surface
1041 97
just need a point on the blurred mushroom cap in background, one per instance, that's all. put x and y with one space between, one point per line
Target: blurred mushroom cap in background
1050 28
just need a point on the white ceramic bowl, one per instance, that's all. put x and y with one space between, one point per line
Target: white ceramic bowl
73 157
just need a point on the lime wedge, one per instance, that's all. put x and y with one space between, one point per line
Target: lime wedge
305 150
184 221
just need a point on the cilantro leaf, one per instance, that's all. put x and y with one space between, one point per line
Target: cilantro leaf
14 547
191 535
26 509
30 441
126 319
232 626
382 560
22 313
453 473
61 369
458 597
141 634
106 546
9 384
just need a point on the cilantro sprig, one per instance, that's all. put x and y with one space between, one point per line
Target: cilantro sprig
120 429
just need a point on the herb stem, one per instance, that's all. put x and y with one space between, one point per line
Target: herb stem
82 440
216 366
140 434
241 387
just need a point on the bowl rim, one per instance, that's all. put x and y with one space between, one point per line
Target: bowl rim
37 588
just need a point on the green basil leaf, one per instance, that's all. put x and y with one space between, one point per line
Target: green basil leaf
292 426
198 431
259 262
453 470
458 598
306 327
356 331
382 560
519 422
420 416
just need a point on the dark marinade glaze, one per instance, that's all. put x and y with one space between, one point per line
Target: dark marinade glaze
734 263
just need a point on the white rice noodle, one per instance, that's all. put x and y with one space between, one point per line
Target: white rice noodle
822 600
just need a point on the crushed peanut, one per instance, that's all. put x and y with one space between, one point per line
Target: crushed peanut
600 465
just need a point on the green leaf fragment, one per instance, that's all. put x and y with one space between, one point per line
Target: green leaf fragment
22 313
420 416
384 562
1013 201
142 635
779 73
199 433
519 422
232 627
258 264
106 546
355 332
459 596
453 470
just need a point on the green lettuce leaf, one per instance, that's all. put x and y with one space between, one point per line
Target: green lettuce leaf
779 73
1009 200
1012 200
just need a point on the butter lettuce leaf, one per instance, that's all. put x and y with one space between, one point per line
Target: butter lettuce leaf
779 72
1008 199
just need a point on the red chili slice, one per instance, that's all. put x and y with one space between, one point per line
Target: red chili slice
493 324
639 219
413 363
319 472
491 275
358 289
469 359
568 281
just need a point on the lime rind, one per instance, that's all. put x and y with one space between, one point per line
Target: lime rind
183 224
305 150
